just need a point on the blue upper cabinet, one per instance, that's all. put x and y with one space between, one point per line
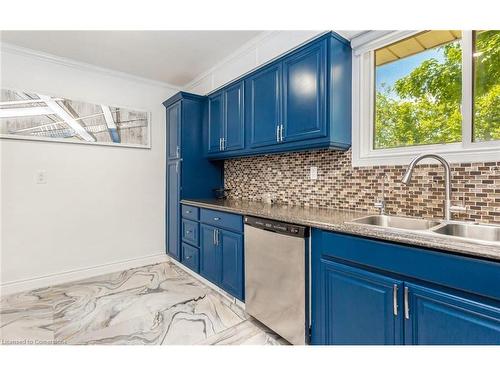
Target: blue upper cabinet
233 137
215 122
263 106
304 94
299 102
174 131
226 120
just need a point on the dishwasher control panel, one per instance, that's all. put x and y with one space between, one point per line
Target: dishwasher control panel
277 226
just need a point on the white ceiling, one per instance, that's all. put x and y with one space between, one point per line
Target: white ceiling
173 57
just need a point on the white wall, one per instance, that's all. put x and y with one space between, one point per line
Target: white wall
103 207
257 52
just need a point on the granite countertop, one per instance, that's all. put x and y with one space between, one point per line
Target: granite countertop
337 220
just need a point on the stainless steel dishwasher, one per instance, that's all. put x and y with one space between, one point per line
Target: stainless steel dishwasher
276 277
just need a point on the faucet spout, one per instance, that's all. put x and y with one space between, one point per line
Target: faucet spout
447 179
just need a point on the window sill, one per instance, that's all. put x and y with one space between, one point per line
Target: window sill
453 153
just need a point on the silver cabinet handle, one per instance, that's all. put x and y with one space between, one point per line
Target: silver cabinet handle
407 305
395 299
277 133
188 211
188 231
215 240
220 144
189 257
176 167
178 151
223 144
216 218
281 133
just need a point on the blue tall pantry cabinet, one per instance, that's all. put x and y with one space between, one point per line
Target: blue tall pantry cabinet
189 173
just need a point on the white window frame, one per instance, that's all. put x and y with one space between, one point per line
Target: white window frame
363 81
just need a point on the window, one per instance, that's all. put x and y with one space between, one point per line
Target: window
486 126
418 85
428 91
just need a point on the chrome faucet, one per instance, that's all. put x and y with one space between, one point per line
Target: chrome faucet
448 208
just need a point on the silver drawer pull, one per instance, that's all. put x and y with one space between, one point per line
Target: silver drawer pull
406 303
395 299
216 218
188 231
188 211
189 257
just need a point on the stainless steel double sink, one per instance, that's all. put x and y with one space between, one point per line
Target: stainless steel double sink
479 233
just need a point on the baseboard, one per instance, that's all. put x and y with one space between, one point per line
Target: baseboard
211 285
79 274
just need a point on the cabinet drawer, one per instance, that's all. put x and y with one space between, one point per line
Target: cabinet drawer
190 232
222 219
190 212
191 257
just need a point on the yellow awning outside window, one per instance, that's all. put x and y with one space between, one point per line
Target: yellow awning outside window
415 44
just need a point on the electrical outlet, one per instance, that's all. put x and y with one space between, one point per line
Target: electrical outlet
313 175
41 176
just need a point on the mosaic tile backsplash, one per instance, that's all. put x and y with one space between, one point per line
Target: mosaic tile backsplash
341 186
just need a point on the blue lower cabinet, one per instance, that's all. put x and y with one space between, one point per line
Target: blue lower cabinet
190 232
224 220
190 212
209 254
191 257
231 246
373 292
221 259
439 318
356 307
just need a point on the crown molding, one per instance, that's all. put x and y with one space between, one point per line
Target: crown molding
47 57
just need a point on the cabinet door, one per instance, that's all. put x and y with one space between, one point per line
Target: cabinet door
232 263
174 130
173 209
441 318
357 307
304 94
209 254
264 106
215 121
234 125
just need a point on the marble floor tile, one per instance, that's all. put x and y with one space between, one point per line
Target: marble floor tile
19 325
152 305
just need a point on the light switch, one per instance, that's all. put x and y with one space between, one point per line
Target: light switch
41 176
314 173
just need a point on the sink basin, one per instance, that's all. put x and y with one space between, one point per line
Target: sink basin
470 231
386 221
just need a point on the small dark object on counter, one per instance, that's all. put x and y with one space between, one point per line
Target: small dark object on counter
221 193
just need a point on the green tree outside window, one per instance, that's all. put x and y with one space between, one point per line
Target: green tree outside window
424 106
